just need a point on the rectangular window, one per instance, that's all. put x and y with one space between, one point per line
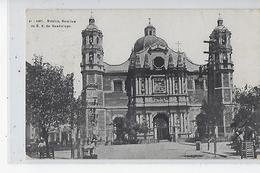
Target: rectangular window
218 80
118 86
225 79
227 95
198 84
91 79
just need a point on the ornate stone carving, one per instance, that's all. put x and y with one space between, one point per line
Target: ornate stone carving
170 62
146 61
160 99
159 85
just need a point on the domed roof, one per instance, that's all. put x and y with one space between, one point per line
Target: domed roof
147 41
91 25
220 27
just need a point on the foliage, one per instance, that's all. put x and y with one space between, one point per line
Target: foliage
248 107
208 118
125 130
120 128
49 96
202 124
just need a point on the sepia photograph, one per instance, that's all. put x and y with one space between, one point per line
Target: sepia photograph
142 84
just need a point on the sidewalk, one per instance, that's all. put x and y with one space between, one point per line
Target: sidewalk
223 150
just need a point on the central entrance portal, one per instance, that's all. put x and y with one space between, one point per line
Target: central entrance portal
161 124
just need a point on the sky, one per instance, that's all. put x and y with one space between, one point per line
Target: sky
121 28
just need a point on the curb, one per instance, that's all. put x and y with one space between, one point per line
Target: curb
222 155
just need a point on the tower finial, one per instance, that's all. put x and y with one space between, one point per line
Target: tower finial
149 20
91 13
220 19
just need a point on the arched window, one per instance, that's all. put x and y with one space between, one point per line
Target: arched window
97 40
91 39
224 40
91 57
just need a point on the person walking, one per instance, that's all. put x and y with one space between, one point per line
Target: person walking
41 147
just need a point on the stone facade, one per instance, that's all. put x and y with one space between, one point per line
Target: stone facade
156 85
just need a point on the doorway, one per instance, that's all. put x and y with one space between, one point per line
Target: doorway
161 124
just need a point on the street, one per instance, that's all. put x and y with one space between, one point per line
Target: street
162 150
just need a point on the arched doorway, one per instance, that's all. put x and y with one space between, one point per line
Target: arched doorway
161 126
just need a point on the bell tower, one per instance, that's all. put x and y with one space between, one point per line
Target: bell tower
92 70
220 77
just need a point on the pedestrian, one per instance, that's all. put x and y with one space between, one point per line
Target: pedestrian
92 148
41 147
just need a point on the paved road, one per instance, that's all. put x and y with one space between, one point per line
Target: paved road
162 150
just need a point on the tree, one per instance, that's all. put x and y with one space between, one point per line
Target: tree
49 95
248 106
75 119
209 118
126 130
120 128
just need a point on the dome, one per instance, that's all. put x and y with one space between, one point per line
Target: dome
91 25
147 41
220 27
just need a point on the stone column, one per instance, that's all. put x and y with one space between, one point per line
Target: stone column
141 119
184 122
186 85
146 86
204 84
171 124
172 119
151 120
155 132
176 129
179 78
150 86
140 86
170 85
147 118
193 83
173 85
181 123
167 85
136 85
137 119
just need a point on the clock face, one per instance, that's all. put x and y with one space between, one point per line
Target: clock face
159 85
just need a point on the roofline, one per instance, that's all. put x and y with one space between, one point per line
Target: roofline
117 64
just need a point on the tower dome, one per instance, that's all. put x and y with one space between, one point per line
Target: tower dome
149 39
149 29
92 25
220 27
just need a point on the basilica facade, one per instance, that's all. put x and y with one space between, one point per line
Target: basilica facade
156 86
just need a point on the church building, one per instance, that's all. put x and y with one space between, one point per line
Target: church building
156 86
